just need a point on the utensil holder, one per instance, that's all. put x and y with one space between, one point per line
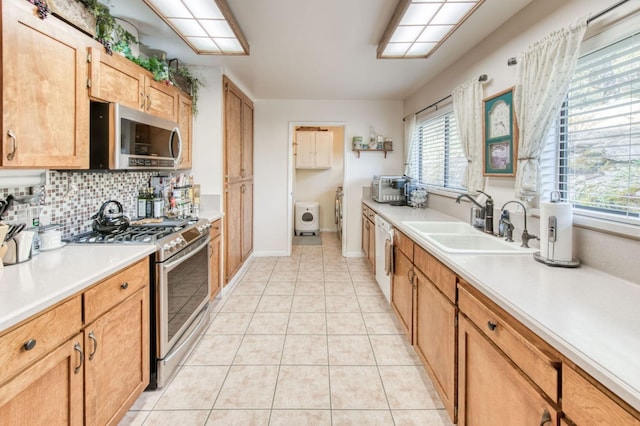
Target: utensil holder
14 255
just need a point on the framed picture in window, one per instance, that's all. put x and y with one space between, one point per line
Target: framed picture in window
500 134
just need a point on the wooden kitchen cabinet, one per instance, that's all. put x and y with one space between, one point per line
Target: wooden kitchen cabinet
506 375
238 203
49 392
403 284
114 78
185 123
45 106
314 149
585 404
214 259
369 236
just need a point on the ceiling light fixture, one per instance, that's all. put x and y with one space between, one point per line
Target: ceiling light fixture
418 27
207 26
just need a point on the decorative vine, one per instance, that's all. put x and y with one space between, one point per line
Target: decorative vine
43 9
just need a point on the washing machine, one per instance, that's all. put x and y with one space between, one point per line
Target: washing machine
307 218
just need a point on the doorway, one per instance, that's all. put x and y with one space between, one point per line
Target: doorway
315 176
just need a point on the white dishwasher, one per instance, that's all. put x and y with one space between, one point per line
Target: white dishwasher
384 255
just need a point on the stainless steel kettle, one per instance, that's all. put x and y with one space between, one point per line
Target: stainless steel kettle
109 222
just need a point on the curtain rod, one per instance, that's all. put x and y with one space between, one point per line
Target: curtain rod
483 77
514 61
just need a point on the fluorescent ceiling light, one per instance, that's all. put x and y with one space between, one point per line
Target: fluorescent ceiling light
207 26
418 27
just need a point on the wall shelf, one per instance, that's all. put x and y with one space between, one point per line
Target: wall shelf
373 150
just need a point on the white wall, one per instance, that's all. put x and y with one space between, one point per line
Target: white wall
272 121
320 184
606 252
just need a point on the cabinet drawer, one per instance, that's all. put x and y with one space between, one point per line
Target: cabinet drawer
44 333
403 243
522 346
216 229
439 274
585 404
113 290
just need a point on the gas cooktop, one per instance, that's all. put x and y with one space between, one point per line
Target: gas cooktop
135 234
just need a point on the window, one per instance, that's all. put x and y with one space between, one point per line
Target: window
437 158
593 154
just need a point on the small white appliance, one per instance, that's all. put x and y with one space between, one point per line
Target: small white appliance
384 255
307 218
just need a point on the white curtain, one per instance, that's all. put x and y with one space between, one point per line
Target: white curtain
544 74
409 128
467 107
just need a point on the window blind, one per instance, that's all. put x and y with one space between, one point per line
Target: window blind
437 158
594 151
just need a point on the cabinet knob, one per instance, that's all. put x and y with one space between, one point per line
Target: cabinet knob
545 420
11 154
31 343
124 286
492 325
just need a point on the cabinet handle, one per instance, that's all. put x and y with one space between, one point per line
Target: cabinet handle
31 343
492 325
545 420
12 153
148 102
124 286
243 172
78 348
95 345
141 100
243 188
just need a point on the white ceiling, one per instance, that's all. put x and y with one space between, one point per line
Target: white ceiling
319 49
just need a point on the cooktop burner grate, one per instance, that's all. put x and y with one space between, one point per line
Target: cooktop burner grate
136 234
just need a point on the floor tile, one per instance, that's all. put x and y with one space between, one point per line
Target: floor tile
308 304
276 288
263 267
339 288
274 304
310 276
257 349
148 400
287 267
241 303
374 303
238 417
134 418
370 288
309 289
307 323
343 303
408 387
345 323
421 418
302 387
335 267
268 323
350 350
356 388
248 387
284 275
249 288
300 417
217 349
393 350
337 276
230 323
381 323
172 418
311 266
255 276
362 418
193 388
305 349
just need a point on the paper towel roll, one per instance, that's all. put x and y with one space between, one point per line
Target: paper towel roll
562 248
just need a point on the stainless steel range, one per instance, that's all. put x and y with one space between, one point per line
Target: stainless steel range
179 283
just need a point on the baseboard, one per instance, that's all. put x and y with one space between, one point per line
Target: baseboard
267 253
354 254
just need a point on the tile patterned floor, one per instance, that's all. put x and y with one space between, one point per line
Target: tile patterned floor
302 340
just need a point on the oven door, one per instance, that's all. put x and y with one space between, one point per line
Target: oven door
182 291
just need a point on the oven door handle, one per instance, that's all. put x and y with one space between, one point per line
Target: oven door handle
180 259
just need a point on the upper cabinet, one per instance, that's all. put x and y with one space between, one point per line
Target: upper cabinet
114 78
185 123
314 149
45 107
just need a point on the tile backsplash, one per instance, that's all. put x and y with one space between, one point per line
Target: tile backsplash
71 198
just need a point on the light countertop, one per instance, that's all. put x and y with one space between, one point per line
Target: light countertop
588 316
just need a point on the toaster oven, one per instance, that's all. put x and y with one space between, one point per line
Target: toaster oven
383 191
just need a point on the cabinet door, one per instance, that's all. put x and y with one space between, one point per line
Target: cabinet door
117 359
371 253
491 390
435 339
116 79
402 293
233 133
185 122
233 229
246 171
45 106
324 150
50 392
214 267
161 100
366 224
305 150
247 218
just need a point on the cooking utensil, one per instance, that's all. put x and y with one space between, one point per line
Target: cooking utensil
6 204
109 222
14 230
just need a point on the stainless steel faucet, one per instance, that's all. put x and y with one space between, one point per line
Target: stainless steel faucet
486 211
525 234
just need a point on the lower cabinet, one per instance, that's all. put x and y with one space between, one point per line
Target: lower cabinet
402 291
92 377
369 236
214 259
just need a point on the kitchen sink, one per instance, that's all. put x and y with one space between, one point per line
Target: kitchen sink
459 237
431 227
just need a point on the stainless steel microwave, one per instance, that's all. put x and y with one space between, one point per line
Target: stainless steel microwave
123 138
